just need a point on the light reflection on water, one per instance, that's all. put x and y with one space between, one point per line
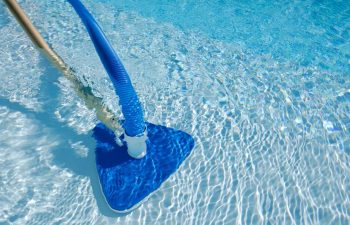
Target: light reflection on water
272 136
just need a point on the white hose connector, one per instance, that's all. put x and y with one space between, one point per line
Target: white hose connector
137 146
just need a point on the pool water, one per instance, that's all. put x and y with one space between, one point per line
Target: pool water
263 87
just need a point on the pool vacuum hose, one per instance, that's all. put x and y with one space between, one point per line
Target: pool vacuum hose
134 124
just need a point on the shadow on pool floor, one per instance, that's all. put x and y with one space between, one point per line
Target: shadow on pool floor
63 155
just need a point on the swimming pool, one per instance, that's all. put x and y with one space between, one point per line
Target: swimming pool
262 86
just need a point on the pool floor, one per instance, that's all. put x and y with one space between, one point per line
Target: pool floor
263 88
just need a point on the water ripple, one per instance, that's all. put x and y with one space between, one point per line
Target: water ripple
272 137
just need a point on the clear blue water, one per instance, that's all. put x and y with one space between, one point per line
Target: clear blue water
263 86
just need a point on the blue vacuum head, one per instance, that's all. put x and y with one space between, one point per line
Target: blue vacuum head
126 181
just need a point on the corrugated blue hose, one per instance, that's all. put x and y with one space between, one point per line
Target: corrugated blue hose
131 108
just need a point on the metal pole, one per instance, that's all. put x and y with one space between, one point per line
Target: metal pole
103 113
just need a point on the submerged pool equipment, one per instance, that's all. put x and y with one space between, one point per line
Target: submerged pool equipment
150 153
